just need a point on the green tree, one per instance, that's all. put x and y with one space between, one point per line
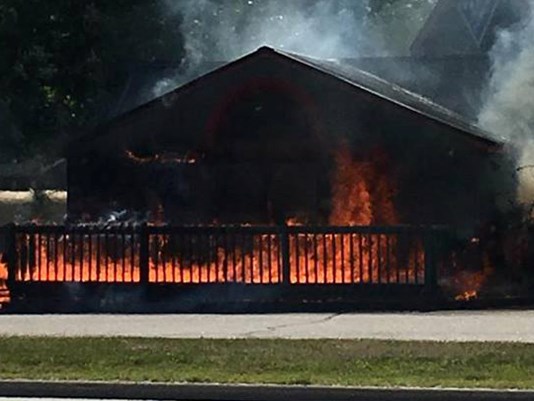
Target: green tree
62 62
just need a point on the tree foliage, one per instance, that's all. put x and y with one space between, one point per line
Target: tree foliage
62 62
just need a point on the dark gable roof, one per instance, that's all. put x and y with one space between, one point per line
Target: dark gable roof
457 83
396 94
349 75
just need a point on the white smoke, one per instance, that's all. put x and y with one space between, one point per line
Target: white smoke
509 109
323 29
225 30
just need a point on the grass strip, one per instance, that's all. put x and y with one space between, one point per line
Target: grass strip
325 362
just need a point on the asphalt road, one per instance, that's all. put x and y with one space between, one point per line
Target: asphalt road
214 392
54 399
517 326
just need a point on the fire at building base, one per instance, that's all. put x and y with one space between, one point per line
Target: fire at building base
276 180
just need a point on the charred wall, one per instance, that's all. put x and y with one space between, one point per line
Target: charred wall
260 142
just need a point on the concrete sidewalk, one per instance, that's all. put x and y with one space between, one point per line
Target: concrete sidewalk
516 326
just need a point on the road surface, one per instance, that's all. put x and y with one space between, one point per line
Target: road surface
516 326
214 392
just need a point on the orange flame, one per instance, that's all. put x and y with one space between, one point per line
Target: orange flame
467 296
4 292
361 195
466 284
314 259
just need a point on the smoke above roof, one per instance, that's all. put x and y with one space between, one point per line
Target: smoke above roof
222 31
323 28
509 107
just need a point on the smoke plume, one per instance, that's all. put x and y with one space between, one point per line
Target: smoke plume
217 31
509 109
324 29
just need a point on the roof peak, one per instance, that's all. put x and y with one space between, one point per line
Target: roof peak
265 49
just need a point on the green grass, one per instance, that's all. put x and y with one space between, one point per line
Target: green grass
327 362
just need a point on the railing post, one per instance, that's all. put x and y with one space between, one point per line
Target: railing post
431 279
284 247
11 253
143 254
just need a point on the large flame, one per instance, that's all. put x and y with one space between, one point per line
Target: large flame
4 293
361 196
206 258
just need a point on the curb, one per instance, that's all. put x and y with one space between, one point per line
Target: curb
238 392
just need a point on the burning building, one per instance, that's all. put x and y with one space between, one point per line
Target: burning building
276 137
276 176
282 177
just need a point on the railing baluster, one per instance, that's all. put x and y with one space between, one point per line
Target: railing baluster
315 261
82 246
116 255
73 256
65 258
38 251
297 257
12 255
134 240
285 255
234 256
342 257
325 260
360 257
189 259
47 257
397 260
90 255
123 254
181 257
144 254
416 259
106 256
430 265
160 256
225 260
407 274
244 252
379 259
207 257
261 270
269 259
250 240
370 265
388 270
351 256
172 240
334 257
